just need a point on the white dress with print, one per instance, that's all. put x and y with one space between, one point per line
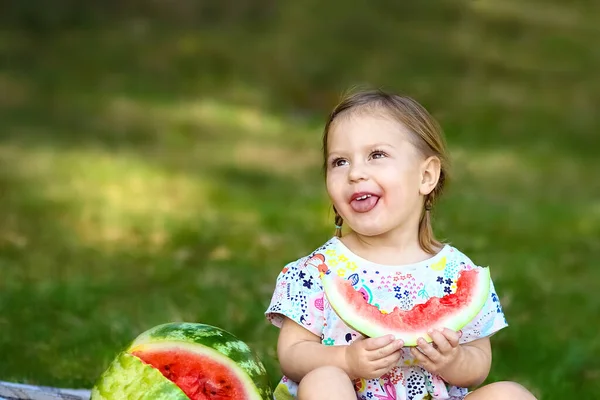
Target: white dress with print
299 296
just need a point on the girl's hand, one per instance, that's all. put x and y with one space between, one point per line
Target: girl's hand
443 352
372 357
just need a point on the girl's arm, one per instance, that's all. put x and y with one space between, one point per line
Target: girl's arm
300 351
472 365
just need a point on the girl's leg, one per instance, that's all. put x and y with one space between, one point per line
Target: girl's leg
501 391
326 383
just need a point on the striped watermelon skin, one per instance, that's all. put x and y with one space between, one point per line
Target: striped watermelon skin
216 338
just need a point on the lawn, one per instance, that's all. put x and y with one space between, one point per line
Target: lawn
151 173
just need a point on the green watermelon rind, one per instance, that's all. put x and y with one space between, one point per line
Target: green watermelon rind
369 328
239 354
129 378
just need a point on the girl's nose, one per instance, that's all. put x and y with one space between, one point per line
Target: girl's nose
357 172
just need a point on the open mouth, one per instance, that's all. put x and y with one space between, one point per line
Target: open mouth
364 202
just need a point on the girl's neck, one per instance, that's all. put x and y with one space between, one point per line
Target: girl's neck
392 248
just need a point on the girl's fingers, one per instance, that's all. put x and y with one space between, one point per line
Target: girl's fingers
385 365
378 342
428 349
440 341
388 361
420 357
451 336
386 350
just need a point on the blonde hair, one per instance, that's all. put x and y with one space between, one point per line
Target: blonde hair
426 135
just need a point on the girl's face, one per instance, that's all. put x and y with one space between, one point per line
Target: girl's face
376 178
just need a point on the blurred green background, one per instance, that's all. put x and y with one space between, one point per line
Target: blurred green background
160 161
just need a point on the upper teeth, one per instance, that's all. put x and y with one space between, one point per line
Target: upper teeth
363 197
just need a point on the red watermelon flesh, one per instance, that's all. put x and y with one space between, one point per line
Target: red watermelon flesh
199 376
452 311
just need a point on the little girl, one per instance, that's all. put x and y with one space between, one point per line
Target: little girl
385 164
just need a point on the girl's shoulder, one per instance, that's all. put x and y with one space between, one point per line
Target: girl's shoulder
319 256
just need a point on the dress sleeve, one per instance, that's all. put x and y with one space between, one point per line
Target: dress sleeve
489 320
298 295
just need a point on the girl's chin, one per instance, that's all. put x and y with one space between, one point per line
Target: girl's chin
368 230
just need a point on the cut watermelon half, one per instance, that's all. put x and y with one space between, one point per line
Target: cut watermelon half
452 311
185 361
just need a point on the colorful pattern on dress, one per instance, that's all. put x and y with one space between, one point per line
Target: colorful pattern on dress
299 296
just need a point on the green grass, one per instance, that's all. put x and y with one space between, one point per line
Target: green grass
166 174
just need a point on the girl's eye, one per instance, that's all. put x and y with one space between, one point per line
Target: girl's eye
378 154
338 162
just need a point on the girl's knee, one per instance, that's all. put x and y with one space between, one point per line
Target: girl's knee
323 375
502 390
514 390
326 383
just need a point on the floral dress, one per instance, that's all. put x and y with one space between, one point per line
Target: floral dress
299 296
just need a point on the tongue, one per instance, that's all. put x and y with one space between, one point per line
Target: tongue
365 205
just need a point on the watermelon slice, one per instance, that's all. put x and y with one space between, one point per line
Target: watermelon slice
452 311
185 361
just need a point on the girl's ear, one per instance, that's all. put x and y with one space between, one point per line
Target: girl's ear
430 175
